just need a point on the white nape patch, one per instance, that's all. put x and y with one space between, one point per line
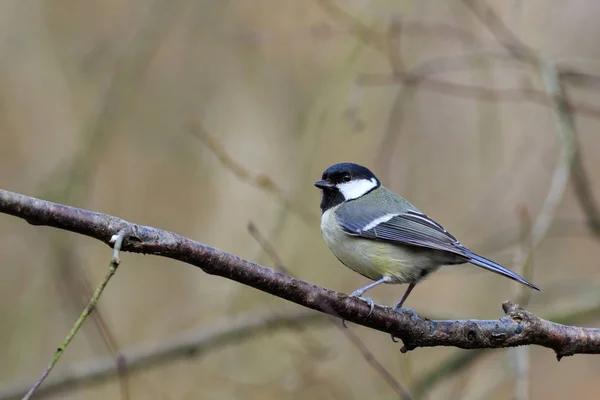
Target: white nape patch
354 189
378 221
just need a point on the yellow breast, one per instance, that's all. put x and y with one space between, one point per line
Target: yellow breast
370 258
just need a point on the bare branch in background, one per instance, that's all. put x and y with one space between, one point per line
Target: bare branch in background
413 77
580 178
569 143
394 42
553 76
364 32
579 79
261 182
503 35
522 94
523 264
517 327
192 344
519 50
445 369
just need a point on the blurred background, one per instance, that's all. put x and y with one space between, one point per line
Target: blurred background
201 116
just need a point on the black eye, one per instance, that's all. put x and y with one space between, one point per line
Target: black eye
347 178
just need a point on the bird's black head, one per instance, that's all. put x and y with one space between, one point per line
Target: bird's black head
345 182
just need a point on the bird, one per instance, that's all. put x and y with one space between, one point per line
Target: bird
385 238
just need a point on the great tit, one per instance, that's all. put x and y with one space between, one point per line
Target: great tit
384 237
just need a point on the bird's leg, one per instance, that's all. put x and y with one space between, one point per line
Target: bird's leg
359 292
398 306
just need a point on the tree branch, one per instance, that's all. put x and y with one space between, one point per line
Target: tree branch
517 327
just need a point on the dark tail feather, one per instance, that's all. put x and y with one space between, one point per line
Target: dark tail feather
497 268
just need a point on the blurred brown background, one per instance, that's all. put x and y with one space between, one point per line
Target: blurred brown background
96 100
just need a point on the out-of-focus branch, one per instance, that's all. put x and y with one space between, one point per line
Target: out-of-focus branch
443 370
519 50
579 177
426 82
503 35
261 182
440 30
517 327
192 344
523 264
553 77
580 79
568 137
476 92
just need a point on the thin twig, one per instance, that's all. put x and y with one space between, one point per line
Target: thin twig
191 344
523 264
368 356
117 241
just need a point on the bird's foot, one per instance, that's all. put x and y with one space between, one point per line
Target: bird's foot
358 294
399 309
396 309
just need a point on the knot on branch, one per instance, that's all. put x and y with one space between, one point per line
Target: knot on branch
472 332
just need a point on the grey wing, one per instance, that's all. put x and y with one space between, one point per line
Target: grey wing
411 228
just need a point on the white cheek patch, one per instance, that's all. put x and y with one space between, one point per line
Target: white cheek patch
354 189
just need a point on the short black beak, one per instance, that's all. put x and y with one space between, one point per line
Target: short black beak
323 184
